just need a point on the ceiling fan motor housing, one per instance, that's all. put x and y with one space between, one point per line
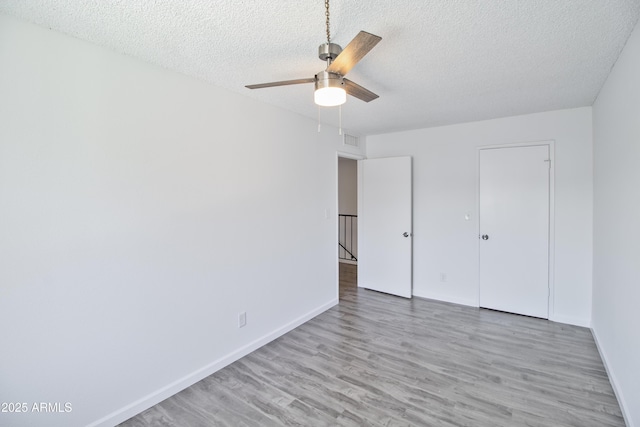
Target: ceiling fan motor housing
328 79
329 51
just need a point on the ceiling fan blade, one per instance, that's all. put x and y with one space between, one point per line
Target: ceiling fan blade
282 83
358 91
353 53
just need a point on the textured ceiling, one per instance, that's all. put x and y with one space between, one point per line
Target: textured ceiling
439 62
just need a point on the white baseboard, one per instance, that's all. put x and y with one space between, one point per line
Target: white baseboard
576 321
613 381
446 298
169 390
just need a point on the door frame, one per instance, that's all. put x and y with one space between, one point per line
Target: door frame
351 156
551 261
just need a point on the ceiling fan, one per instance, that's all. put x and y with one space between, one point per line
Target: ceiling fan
331 87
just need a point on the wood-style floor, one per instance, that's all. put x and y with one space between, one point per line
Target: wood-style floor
380 360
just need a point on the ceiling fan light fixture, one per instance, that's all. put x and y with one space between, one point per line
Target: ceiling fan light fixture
330 96
329 90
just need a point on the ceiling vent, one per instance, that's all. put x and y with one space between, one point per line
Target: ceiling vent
354 141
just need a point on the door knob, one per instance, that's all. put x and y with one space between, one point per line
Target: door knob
485 237
405 234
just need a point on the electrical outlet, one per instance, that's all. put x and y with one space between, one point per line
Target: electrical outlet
443 277
242 319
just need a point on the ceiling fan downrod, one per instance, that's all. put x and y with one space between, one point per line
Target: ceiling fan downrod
326 6
328 51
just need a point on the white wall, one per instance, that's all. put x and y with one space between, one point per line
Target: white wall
445 189
140 212
616 260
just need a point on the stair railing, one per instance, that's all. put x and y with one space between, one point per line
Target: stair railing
347 237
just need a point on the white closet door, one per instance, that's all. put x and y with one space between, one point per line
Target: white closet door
514 229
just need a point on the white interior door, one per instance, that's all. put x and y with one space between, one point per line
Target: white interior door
514 229
384 225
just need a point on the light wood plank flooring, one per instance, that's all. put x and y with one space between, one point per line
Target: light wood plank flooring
380 360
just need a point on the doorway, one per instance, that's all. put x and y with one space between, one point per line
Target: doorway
347 211
347 224
515 195
383 204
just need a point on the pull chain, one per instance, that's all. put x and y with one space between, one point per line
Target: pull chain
339 119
